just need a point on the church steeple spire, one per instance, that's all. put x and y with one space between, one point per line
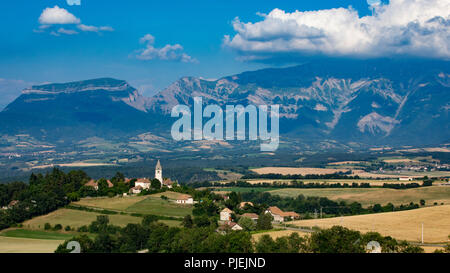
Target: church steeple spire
158 172
158 165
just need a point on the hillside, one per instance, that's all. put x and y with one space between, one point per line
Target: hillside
375 101
106 108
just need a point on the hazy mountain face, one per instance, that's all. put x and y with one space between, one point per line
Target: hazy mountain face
63 112
379 101
374 102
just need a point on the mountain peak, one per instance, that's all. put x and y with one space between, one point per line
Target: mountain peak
107 84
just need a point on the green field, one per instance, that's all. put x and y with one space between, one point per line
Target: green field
35 234
114 203
371 196
33 239
158 206
151 204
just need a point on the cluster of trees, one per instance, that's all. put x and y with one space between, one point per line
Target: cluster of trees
310 204
119 187
426 183
334 240
206 213
292 184
159 238
43 194
56 227
311 185
46 193
155 237
177 170
337 175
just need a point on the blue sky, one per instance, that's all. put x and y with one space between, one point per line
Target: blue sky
104 38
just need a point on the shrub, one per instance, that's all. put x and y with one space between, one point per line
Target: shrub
47 226
67 228
57 227
83 229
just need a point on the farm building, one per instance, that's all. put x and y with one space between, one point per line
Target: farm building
185 199
168 183
136 190
235 226
252 216
405 178
280 216
228 226
225 214
143 183
94 184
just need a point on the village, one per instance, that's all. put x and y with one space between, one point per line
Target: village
228 218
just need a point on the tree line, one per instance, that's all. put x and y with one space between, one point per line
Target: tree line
154 237
310 204
276 184
337 175
43 194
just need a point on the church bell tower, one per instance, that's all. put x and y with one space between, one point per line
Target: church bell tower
158 172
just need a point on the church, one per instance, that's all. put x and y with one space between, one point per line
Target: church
145 183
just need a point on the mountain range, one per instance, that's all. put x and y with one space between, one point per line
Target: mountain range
368 102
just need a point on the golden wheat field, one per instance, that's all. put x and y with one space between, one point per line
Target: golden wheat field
403 225
360 173
76 219
431 249
26 245
169 194
372 196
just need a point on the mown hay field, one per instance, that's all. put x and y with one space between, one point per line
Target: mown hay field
26 245
169 194
371 196
360 173
403 225
77 218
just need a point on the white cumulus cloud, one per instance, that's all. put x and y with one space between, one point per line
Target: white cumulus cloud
167 52
57 15
402 27
50 17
